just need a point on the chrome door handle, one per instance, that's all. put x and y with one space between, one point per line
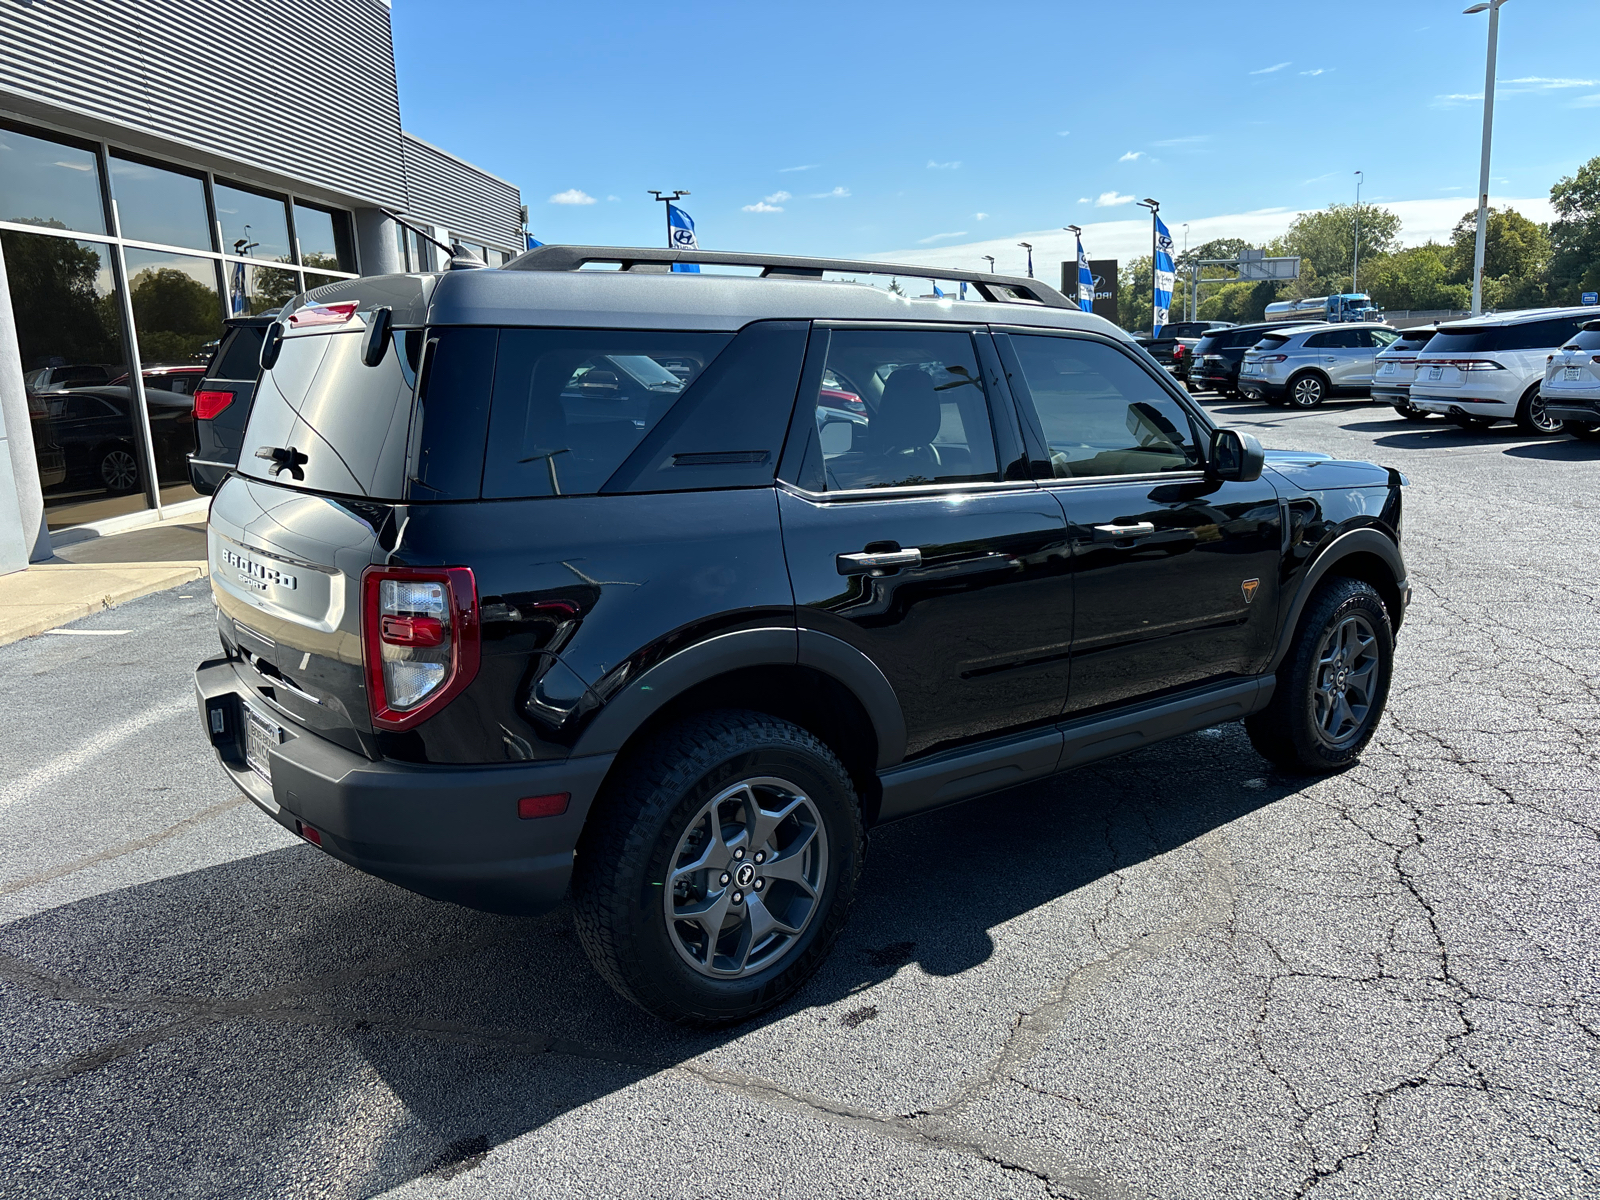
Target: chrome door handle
860 564
1115 533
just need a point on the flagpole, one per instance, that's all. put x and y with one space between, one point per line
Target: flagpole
667 201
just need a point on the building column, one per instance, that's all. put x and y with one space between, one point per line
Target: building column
24 537
376 243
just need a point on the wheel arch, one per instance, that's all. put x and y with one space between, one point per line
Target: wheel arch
816 681
1365 554
1327 383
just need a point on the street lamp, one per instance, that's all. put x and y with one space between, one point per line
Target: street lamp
1154 207
1186 313
1355 263
988 258
1029 248
1493 8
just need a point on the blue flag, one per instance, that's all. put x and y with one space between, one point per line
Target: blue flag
1085 280
680 234
238 302
1163 279
532 242
938 292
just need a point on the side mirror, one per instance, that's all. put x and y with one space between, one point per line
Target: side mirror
1235 456
376 342
271 345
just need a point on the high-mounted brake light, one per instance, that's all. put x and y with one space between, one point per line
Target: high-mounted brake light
324 314
420 640
209 404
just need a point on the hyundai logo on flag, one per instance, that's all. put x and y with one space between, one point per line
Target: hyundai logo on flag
680 236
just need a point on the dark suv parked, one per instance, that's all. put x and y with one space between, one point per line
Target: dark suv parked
1214 365
222 401
665 587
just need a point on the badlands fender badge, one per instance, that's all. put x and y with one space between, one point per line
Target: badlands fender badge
1249 588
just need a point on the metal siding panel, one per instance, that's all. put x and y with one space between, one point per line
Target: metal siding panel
470 202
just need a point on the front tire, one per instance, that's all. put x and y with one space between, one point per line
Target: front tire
1332 685
1307 391
1532 417
718 869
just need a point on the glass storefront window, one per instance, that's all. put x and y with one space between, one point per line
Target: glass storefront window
50 183
87 435
324 238
157 205
176 308
253 225
318 280
253 289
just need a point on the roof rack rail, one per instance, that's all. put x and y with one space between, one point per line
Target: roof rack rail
1003 289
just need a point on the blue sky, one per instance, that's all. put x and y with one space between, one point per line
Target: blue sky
860 129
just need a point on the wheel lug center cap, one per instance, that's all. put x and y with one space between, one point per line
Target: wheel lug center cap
745 875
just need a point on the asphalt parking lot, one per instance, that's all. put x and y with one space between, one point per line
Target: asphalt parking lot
1177 974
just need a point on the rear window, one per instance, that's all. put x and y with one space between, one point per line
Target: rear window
1272 341
1586 339
1412 341
1186 329
1474 341
239 356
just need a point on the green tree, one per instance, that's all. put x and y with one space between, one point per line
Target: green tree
1326 239
1418 277
1134 308
174 313
1575 235
1513 246
1240 302
56 292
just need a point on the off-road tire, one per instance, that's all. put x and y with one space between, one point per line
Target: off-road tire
1307 390
1531 417
1285 732
628 844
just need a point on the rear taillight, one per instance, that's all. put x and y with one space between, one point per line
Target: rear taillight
1272 358
1178 351
209 404
419 638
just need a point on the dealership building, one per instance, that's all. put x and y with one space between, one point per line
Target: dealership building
165 164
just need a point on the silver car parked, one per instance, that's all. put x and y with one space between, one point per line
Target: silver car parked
1303 367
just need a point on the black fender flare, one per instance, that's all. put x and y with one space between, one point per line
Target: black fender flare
1357 541
625 712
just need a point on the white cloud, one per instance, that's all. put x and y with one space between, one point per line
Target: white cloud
980 216
1455 98
838 193
1083 199
763 206
777 197
1587 101
1270 70
807 167
1111 199
1132 156
939 237
1319 71
1192 140
610 198
1065 133
572 196
74 166
1542 84
944 166
1320 178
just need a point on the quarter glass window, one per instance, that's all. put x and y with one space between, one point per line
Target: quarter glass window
1100 412
156 205
49 183
899 408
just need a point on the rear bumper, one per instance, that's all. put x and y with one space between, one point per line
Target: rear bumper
449 832
1568 410
1259 389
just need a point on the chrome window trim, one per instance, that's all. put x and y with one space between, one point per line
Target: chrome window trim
925 491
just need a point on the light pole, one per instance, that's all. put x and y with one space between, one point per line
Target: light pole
1154 208
1355 263
988 258
1186 314
1493 7
1026 246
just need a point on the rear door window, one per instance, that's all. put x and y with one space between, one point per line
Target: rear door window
1541 335
239 356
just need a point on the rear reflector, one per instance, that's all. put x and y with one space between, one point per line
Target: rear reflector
209 404
310 834
552 805
323 314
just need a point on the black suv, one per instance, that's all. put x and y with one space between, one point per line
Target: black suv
1174 349
223 398
1215 361
665 587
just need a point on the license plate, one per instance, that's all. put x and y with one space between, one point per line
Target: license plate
1251 368
1386 369
1435 372
1570 373
260 737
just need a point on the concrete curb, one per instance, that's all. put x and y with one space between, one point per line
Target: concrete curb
49 595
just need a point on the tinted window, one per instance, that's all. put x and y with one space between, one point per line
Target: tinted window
899 408
1319 341
1587 339
252 224
570 405
324 238
1245 340
1378 338
1100 412
1540 335
1410 343
347 419
1272 341
176 308
157 205
452 416
1185 329
49 183
1475 341
239 356
727 430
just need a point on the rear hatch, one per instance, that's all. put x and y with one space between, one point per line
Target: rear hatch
1576 366
1451 356
319 493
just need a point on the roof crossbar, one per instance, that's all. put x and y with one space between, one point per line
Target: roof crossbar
1003 289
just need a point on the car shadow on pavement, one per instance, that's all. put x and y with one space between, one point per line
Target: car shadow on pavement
1448 436
1559 450
282 1023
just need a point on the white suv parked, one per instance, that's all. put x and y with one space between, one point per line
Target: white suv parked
1489 369
1571 387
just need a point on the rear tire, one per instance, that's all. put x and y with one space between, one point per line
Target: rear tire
1333 683
1470 423
1589 433
1307 391
1411 413
698 944
1532 418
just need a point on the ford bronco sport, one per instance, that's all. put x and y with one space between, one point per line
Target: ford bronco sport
664 587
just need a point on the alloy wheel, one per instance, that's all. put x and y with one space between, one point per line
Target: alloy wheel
746 878
1540 418
1346 681
1306 392
118 471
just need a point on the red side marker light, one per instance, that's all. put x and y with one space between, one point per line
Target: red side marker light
552 805
209 404
310 834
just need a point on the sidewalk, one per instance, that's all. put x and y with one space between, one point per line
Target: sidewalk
99 573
